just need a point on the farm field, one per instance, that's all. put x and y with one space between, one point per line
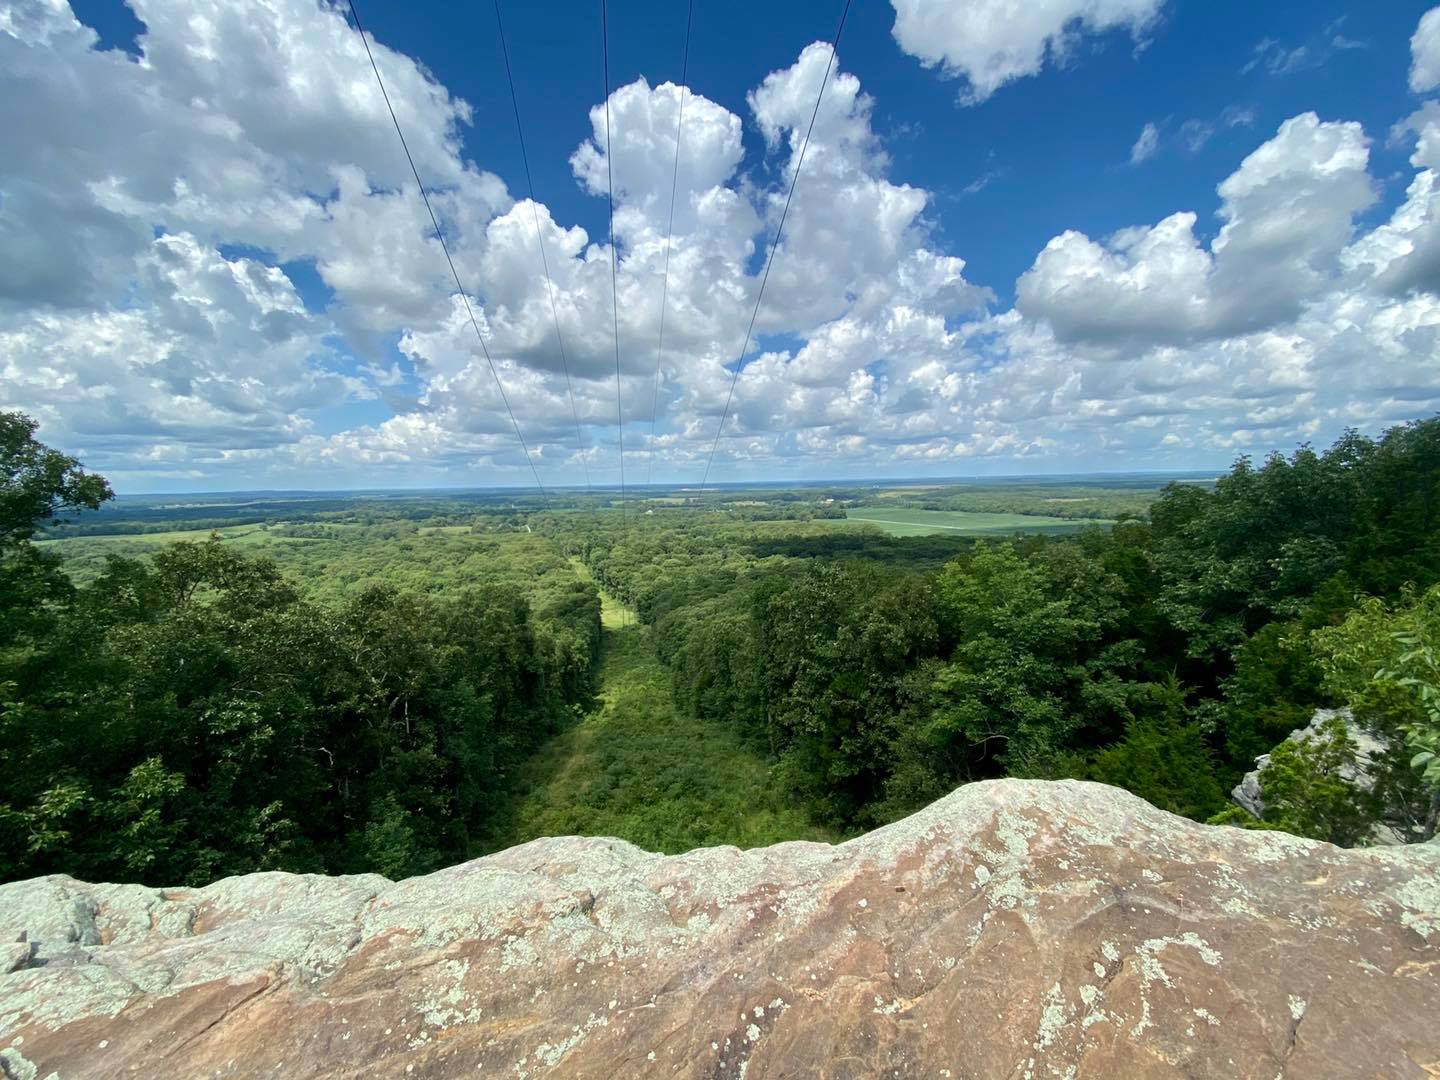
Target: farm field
898 521
85 555
156 539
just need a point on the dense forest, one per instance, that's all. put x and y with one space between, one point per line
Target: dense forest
1162 655
343 684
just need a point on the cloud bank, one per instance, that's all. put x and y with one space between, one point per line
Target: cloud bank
157 221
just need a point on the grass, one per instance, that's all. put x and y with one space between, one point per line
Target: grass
636 769
613 614
85 555
898 521
158 539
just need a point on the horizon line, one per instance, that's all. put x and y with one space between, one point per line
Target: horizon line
874 481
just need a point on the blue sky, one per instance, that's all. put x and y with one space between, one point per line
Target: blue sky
1114 357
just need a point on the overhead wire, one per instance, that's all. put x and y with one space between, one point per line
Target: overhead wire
540 242
614 255
614 261
669 233
440 235
775 246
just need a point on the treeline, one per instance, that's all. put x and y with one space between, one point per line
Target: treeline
1162 655
144 517
198 715
361 697
1064 501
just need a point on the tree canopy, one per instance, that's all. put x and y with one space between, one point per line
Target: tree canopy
357 689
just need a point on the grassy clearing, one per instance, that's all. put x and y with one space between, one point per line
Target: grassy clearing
915 489
85 556
157 539
636 769
613 614
898 521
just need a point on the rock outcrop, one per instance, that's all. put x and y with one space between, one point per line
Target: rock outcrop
1249 794
1369 748
1013 929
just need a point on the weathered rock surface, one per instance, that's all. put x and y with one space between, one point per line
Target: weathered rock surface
1013 929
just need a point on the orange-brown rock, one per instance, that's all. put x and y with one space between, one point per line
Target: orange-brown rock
1013 929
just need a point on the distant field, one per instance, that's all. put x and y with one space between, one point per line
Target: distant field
85 555
250 534
900 522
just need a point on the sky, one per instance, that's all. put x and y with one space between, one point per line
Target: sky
1027 237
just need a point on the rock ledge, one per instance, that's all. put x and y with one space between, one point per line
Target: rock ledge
1012 929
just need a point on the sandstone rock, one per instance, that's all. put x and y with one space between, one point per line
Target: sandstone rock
1369 748
1013 929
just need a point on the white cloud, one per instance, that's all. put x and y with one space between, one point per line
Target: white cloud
1146 145
1195 134
222 354
240 143
1403 254
989 43
1239 115
1319 49
1280 59
1287 213
150 327
1425 53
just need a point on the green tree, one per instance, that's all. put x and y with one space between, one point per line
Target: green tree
1163 758
1306 792
1260 544
1034 660
837 644
1273 690
37 484
1382 662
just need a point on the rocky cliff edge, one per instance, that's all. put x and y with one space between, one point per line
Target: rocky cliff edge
1013 929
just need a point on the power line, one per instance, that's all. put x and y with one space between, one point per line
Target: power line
614 256
439 235
669 232
540 242
770 259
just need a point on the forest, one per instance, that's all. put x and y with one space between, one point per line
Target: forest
392 682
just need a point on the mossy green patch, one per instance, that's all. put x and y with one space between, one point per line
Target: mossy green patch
636 769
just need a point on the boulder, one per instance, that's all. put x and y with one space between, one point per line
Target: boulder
1369 748
1013 929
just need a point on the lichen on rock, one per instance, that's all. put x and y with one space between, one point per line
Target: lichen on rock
1012 928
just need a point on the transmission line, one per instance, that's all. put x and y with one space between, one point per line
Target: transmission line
614 257
540 242
669 232
775 245
440 235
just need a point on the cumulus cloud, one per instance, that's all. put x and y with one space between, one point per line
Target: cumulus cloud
1425 53
1403 254
988 43
223 353
154 322
1287 213
239 144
